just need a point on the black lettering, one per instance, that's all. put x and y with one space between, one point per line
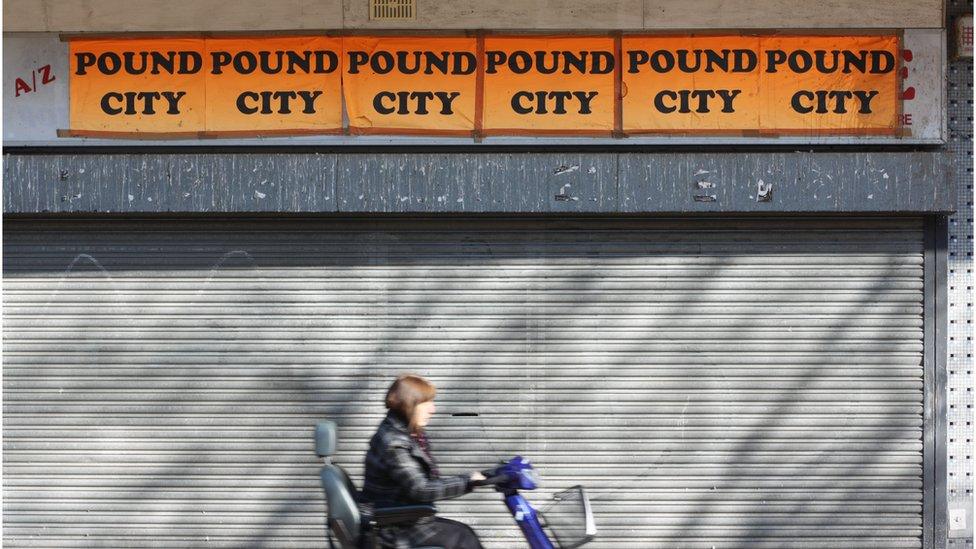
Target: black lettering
173 99
167 61
309 98
265 61
357 59
242 106
190 62
684 65
493 59
403 57
130 102
302 62
821 59
378 105
572 60
659 101
464 63
636 58
713 59
245 62
540 61
219 60
703 96
432 61
147 100
109 63
107 108
745 60
284 98
326 61
559 98
857 60
128 59
821 96
840 99
662 61
800 61
382 62
773 58
421 101
517 102
865 97
799 107
882 62
447 100
520 62
728 96
402 100
84 60
603 62
585 98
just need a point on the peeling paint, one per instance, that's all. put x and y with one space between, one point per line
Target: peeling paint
626 182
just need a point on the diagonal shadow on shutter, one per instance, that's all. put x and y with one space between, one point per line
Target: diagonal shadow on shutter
714 383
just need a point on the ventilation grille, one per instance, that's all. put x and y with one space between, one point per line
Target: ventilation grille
392 10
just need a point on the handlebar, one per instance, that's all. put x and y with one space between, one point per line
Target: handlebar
496 479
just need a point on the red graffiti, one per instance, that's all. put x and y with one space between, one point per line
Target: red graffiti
908 93
21 86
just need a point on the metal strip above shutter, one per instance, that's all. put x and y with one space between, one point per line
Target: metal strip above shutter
720 383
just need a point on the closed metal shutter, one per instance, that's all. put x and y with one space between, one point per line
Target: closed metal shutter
713 383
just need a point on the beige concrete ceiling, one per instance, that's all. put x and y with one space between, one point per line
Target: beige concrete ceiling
270 15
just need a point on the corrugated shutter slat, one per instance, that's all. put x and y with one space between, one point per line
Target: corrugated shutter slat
714 383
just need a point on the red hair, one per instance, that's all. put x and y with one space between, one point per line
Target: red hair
406 393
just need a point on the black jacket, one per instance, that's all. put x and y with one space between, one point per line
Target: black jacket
398 472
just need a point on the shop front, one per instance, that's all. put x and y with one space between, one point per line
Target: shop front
740 344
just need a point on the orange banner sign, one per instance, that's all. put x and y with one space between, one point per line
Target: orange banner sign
134 86
776 84
549 85
478 86
404 85
256 86
275 85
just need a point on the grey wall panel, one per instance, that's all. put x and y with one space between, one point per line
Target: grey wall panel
170 183
721 382
479 182
533 183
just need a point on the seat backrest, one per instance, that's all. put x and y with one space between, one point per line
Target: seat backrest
325 439
340 493
344 516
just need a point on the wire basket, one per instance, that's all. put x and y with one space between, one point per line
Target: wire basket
569 518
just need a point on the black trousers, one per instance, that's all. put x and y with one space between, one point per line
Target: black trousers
451 534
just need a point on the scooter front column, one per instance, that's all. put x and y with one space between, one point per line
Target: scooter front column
528 520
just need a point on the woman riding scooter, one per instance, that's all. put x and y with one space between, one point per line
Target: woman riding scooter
400 470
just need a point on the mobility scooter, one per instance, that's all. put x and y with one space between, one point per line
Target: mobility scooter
569 519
